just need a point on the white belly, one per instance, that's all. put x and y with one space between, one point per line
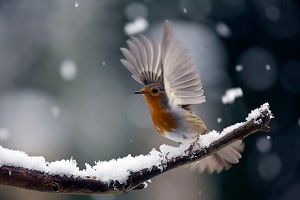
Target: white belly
180 137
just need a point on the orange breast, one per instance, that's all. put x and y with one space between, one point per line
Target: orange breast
162 118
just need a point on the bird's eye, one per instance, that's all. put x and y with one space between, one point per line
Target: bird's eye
155 90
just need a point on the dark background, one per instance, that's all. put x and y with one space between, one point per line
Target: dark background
64 93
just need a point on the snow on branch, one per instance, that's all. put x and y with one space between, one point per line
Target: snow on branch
123 174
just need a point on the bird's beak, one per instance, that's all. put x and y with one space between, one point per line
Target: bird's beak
139 92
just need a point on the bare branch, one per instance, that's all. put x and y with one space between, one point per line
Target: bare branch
47 182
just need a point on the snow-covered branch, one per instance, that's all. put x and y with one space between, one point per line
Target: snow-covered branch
123 174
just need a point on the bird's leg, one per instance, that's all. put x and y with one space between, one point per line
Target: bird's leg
193 145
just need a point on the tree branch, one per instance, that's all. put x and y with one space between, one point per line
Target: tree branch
89 181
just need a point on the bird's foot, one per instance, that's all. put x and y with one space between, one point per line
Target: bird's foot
192 147
189 150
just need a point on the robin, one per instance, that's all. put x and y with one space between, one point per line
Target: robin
171 85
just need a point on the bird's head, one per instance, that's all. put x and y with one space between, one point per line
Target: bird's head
152 91
154 96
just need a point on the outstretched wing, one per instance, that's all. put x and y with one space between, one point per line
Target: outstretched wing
181 80
143 60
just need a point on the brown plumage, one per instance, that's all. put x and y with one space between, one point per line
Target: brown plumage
171 84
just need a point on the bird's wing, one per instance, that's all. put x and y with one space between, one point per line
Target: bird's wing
143 60
222 159
181 80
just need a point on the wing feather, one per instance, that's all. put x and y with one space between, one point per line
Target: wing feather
143 60
221 160
181 80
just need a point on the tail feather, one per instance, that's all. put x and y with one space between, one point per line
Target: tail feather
221 160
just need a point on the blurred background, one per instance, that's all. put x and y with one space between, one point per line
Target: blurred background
64 93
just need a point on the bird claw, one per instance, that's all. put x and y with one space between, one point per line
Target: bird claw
191 148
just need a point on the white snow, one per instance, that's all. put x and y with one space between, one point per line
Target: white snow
222 29
219 120
119 169
145 184
171 151
207 139
231 128
63 167
239 68
4 134
115 169
299 121
268 67
21 159
184 10
138 25
76 4
68 70
254 114
231 94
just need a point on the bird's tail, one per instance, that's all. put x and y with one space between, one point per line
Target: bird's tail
222 159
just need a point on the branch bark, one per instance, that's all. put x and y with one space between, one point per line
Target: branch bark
45 182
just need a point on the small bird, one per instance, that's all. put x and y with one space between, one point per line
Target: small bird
171 85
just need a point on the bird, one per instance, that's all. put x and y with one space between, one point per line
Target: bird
171 85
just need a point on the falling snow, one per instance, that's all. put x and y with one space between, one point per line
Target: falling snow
219 120
231 94
268 67
137 26
68 70
239 68
103 63
222 29
184 10
76 4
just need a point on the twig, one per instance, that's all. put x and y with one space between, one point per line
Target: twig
46 182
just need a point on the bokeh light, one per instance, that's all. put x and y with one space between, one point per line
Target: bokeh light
269 167
279 18
254 74
264 144
136 10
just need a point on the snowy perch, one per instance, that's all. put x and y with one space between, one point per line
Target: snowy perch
123 174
